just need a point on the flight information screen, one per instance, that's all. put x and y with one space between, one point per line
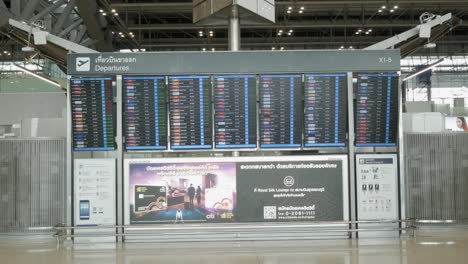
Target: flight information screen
325 110
145 115
92 114
281 111
190 112
235 111
377 109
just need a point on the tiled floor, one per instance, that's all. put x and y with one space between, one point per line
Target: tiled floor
429 247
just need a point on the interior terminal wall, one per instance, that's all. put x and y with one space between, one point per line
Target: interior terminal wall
15 107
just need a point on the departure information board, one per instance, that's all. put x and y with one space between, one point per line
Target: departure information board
145 115
377 109
235 104
281 111
92 114
325 110
190 112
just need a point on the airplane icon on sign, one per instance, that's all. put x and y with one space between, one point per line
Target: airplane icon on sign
83 64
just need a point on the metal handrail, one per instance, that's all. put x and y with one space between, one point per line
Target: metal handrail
236 225
64 232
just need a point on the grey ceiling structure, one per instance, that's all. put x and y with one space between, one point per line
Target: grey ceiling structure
167 25
323 24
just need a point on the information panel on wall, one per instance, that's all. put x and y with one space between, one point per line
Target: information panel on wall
377 110
145 115
377 186
190 112
235 104
94 192
242 189
325 110
92 114
281 111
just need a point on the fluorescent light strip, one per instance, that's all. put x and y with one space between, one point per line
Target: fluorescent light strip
36 75
432 66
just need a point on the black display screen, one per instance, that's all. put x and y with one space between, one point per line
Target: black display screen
235 111
281 111
145 116
190 112
325 110
377 110
92 114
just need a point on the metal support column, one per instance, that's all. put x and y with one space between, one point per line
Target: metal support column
403 95
401 154
234 29
70 28
351 136
63 17
234 39
119 139
29 9
46 11
69 181
429 90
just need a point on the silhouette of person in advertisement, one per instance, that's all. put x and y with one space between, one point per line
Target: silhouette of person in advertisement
199 191
191 194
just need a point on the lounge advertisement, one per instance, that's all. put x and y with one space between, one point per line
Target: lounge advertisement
241 189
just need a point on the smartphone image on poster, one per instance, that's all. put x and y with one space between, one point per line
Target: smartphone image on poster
84 209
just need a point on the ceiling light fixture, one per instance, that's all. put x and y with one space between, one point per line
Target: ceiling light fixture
289 7
383 7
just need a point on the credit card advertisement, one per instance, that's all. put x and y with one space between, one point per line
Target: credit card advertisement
182 192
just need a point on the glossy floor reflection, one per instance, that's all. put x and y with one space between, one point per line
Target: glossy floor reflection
435 246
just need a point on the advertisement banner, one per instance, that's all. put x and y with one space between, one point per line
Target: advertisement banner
94 189
377 186
241 189
458 123
290 191
182 192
